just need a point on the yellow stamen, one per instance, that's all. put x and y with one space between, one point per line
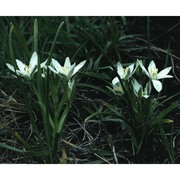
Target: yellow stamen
153 72
125 70
26 68
65 69
118 88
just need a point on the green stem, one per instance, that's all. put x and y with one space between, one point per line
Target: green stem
48 133
60 106
59 123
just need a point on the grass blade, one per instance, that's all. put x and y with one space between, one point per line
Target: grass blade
3 145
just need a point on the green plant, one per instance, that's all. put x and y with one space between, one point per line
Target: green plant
139 106
54 87
137 109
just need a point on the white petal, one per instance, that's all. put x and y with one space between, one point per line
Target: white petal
22 73
136 85
43 64
163 73
157 85
145 96
129 71
78 67
115 81
143 68
117 85
131 67
10 67
148 88
165 76
120 70
52 69
56 65
67 63
20 65
33 61
152 65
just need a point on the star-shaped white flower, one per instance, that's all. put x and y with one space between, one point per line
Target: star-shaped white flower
138 89
117 85
125 73
26 70
154 76
67 70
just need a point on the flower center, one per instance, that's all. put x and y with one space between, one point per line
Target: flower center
65 69
26 69
125 70
153 72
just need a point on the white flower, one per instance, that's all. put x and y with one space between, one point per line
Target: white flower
26 70
43 64
153 71
154 76
125 73
67 70
117 85
44 68
138 89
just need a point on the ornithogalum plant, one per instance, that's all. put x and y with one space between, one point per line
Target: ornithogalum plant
139 107
60 95
54 88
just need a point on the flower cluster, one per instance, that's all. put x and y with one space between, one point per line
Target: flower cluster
28 71
67 70
126 77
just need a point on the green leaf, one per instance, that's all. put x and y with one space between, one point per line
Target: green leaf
11 48
160 117
63 119
37 153
167 121
21 40
96 114
167 144
3 145
36 35
94 87
167 111
17 135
